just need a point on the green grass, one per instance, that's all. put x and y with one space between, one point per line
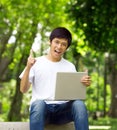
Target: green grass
104 122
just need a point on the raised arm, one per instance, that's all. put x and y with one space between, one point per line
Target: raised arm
24 83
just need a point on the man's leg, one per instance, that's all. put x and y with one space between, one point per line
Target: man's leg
37 115
79 114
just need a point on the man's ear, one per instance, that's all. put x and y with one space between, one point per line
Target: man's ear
50 43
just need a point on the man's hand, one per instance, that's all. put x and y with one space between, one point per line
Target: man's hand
31 60
86 80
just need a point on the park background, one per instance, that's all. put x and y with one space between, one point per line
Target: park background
27 24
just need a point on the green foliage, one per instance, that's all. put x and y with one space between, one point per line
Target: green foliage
6 94
98 22
95 95
97 18
20 19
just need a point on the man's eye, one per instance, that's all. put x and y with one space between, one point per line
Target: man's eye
57 42
64 44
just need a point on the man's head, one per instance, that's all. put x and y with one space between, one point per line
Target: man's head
61 32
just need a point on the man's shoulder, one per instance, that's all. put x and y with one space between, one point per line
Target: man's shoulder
67 61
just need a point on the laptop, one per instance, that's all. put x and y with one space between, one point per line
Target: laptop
69 86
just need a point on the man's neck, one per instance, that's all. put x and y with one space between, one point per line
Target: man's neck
49 57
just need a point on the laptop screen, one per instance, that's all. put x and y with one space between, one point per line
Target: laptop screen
69 86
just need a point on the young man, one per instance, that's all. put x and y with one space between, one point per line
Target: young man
41 73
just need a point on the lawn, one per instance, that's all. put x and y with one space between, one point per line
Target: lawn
100 122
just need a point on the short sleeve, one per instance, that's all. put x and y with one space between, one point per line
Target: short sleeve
31 75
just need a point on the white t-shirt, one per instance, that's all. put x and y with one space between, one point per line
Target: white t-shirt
43 76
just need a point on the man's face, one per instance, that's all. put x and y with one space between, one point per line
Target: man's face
57 47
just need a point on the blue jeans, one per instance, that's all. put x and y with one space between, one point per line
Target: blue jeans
42 113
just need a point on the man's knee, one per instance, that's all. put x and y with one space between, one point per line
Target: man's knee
79 110
38 104
37 110
79 105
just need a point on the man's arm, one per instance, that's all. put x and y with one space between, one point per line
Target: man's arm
24 83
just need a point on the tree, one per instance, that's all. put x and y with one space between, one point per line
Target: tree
20 19
98 20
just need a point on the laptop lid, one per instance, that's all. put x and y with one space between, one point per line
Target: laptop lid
69 86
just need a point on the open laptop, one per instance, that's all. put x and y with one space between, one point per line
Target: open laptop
69 86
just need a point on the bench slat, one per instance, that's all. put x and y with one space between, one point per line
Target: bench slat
25 126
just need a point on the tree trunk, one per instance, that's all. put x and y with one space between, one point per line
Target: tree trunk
14 113
113 83
15 109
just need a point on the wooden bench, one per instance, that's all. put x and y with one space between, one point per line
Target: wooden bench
25 126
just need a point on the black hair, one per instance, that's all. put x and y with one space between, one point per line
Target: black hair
61 32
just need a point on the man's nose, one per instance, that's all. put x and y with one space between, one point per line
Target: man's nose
59 45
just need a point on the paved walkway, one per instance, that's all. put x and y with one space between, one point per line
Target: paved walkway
99 127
